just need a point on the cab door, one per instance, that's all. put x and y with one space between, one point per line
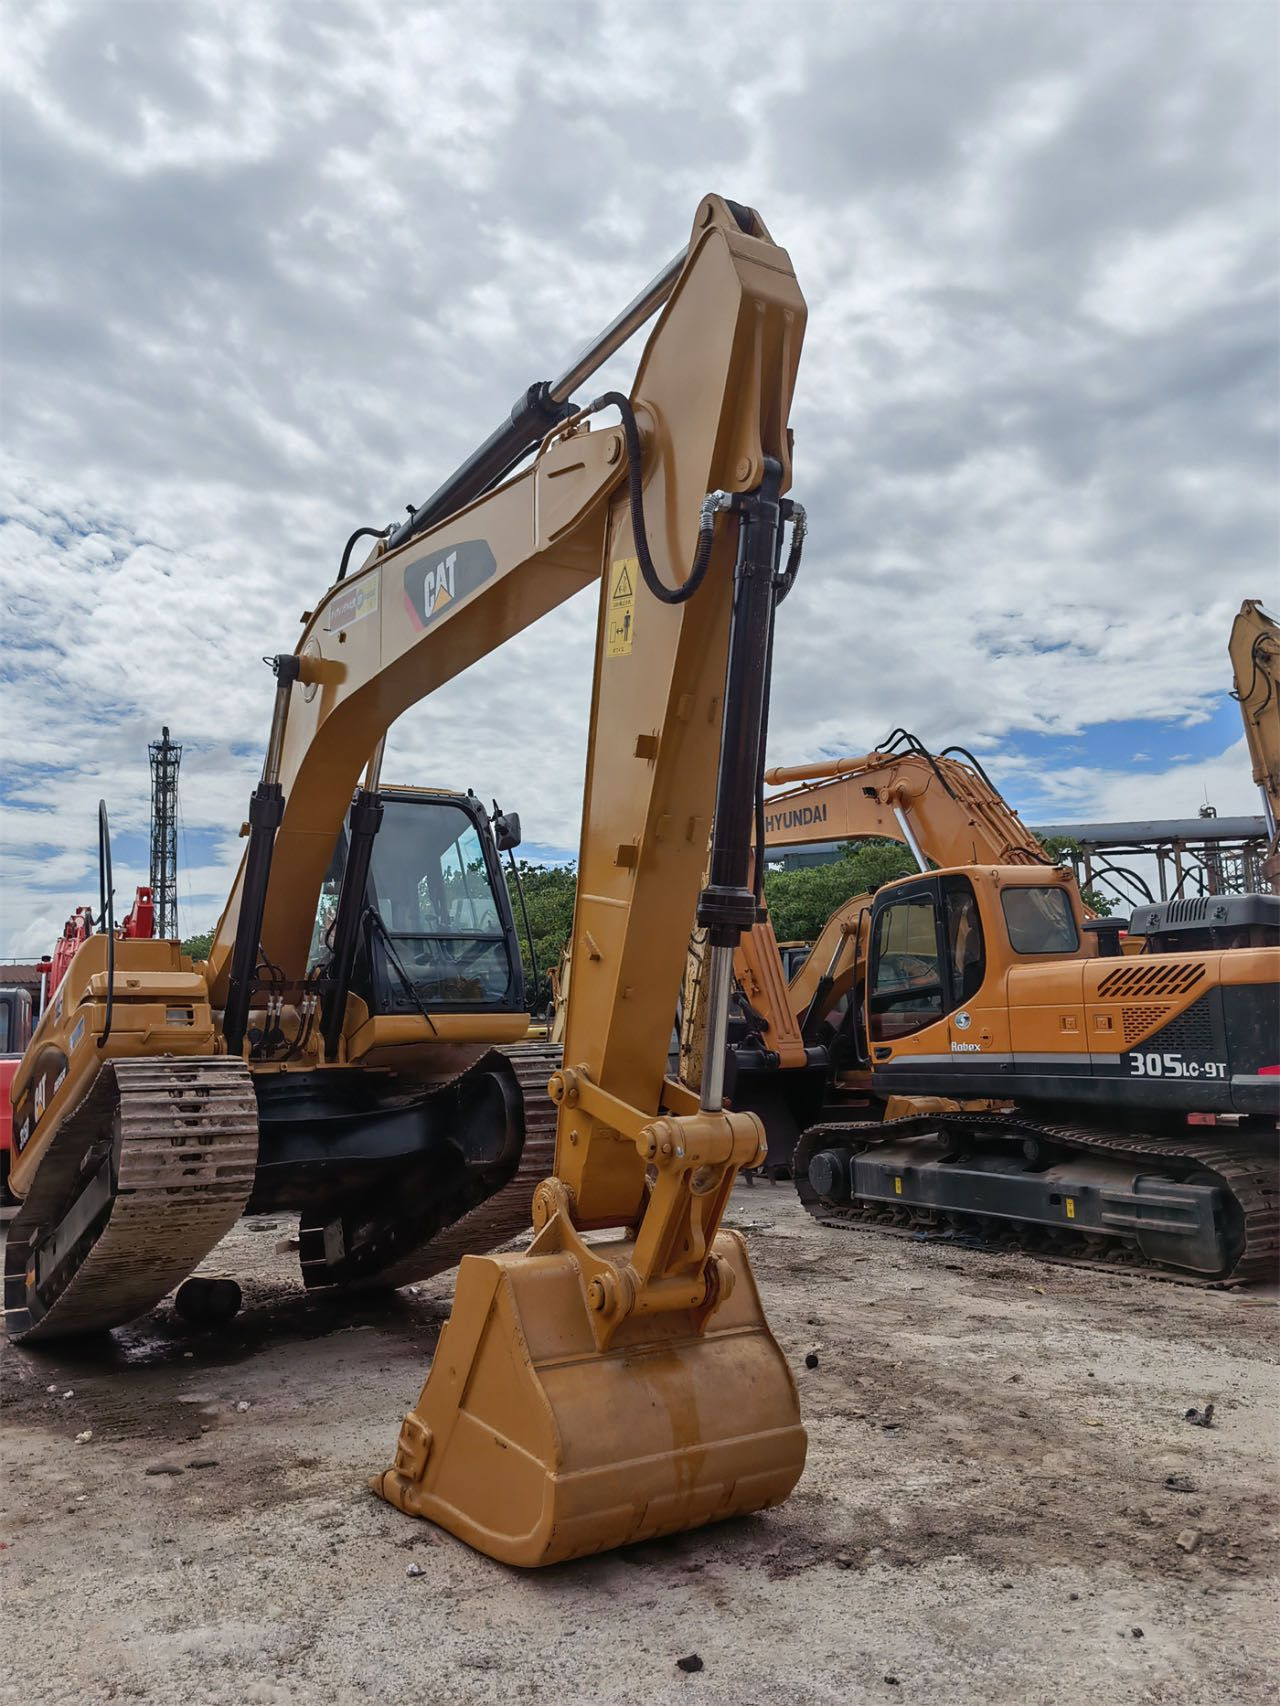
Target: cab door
931 1021
906 987
977 1021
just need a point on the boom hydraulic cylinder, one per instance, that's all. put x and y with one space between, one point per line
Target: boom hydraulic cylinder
266 809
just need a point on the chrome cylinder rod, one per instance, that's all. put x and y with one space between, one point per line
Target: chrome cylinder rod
1268 811
719 983
373 770
909 836
619 329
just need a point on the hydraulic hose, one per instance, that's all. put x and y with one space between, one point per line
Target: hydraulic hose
360 533
713 502
706 525
799 519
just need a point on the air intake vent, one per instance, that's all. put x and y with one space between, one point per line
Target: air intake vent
1139 1020
1156 978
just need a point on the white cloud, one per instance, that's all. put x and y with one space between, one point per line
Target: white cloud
1178 790
274 269
1151 280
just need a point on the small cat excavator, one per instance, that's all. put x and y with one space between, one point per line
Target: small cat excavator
340 1050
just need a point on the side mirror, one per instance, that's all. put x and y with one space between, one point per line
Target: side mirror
506 831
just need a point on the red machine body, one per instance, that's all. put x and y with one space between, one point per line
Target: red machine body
77 929
16 1020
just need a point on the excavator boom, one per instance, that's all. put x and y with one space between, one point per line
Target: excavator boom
939 806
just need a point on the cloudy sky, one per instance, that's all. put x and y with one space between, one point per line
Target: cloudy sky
271 271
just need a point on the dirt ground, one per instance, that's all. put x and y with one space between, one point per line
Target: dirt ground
1000 1469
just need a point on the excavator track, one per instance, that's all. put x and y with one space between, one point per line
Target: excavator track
140 1182
477 1227
1251 1179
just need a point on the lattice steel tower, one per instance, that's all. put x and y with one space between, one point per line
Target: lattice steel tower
165 759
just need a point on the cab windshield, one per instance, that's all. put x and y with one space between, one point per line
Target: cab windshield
435 900
435 934
906 992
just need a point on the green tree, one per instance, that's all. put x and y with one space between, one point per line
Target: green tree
549 892
198 945
800 902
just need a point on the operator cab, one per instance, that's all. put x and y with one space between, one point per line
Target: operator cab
437 933
929 949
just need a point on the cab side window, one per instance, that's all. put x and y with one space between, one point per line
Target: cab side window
965 948
1039 920
906 993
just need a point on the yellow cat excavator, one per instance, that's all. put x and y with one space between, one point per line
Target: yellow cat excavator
1254 649
336 1051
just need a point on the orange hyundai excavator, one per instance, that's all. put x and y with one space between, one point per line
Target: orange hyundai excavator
1132 1101
1000 1071
336 1053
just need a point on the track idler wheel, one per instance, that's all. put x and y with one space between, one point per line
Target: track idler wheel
830 1174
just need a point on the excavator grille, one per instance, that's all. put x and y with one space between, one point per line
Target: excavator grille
1139 1020
1192 1029
1154 980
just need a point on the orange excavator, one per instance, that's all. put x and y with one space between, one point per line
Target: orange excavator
1132 1101
970 1055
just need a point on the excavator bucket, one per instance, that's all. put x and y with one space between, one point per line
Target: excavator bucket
534 1446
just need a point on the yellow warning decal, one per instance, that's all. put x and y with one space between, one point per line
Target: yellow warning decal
897 1187
1071 1208
620 629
